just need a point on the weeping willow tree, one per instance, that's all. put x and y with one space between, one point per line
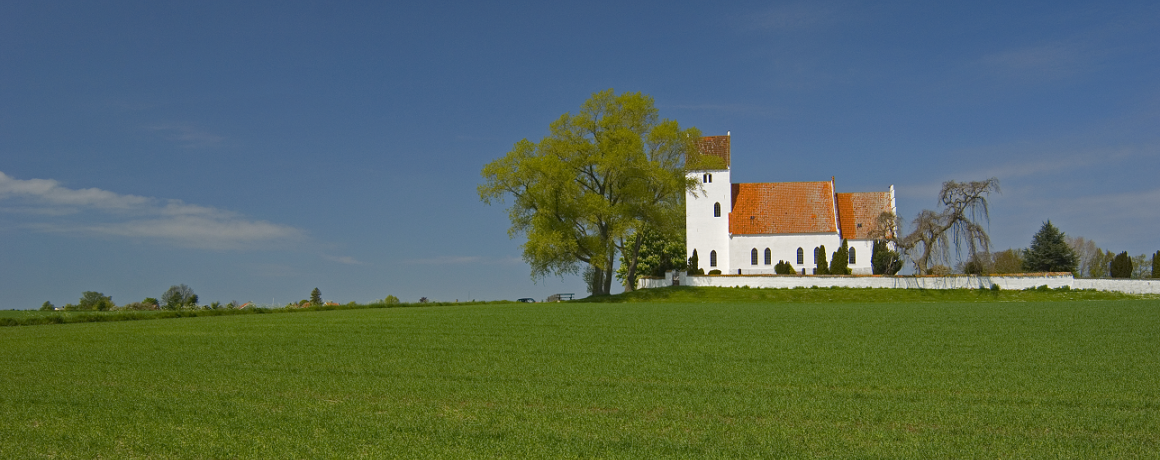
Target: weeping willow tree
598 177
960 223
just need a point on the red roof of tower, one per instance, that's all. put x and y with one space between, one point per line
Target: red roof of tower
717 146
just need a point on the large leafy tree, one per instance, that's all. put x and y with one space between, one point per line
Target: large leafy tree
1049 251
178 297
599 176
93 300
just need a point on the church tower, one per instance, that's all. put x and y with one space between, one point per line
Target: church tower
707 207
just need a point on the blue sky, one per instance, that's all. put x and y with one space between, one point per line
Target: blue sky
256 151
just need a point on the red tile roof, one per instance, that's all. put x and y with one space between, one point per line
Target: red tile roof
861 208
782 207
717 146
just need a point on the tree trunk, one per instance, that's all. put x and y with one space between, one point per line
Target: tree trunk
609 272
630 277
597 282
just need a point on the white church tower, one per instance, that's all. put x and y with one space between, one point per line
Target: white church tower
707 209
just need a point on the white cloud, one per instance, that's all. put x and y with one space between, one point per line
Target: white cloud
137 217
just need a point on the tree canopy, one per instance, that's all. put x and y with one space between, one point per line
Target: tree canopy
599 176
178 297
1049 251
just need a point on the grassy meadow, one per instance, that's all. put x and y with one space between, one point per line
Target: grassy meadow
679 373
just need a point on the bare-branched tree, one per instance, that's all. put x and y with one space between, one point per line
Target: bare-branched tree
960 223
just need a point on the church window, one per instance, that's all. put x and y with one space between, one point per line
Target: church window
710 178
853 259
712 258
716 209
768 257
801 257
753 257
704 178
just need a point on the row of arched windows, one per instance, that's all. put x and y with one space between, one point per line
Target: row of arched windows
769 256
800 256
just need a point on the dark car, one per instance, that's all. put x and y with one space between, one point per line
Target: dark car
526 300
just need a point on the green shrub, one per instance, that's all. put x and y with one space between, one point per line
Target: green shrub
714 272
47 306
784 268
995 287
939 270
883 260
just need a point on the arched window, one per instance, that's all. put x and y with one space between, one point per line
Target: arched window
704 178
768 257
710 178
753 257
801 257
716 209
853 259
816 255
712 258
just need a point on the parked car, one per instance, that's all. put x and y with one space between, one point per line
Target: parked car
526 300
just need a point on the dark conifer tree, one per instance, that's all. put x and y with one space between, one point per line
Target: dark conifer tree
1049 252
1122 266
823 267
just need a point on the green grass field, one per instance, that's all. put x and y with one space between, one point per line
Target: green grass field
680 375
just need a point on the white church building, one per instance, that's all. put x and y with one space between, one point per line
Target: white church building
748 228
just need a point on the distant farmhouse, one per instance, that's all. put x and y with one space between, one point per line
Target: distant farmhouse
747 228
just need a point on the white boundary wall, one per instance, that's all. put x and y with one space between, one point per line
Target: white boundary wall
1007 282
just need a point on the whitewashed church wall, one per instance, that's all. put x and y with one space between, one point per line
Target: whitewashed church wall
864 256
704 232
783 247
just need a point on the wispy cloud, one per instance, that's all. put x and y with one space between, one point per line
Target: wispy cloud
187 135
137 217
343 260
465 260
792 17
732 108
1044 62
